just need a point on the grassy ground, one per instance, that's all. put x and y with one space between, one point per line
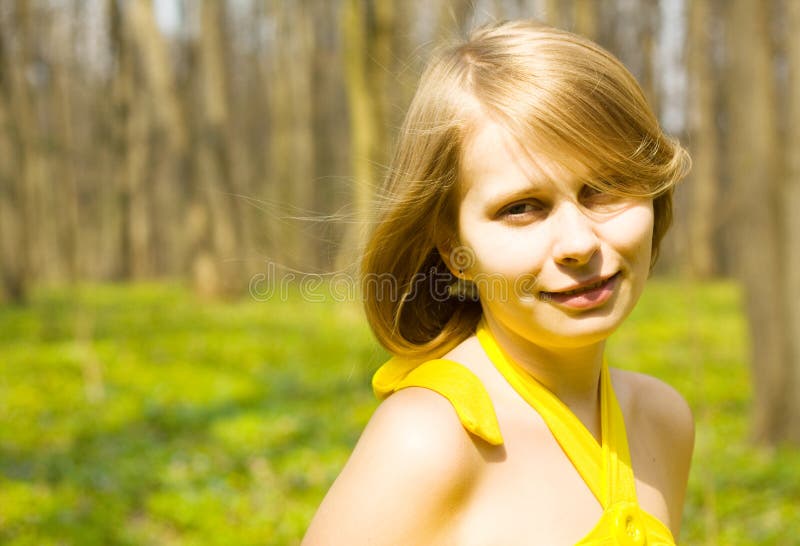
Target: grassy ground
138 415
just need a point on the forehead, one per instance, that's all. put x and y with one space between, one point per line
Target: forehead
493 162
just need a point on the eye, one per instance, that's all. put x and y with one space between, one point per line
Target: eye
522 209
594 196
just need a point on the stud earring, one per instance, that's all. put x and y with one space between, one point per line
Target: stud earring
463 289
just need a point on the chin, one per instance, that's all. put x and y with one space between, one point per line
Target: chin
580 338
586 329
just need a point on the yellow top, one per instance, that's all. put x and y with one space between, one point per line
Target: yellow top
605 468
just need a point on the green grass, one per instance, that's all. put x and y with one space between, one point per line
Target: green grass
140 415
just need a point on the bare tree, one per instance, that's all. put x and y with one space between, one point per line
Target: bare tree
154 113
585 17
363 35
22 181
635 27
754 167
703 143
121 93
293 153
215 172
63 38
329 117
791 227
554 14
14 261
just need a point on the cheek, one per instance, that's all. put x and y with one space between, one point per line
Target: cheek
505 251
631 233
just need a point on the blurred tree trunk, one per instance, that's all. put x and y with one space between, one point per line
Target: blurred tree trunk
379 60
153 54
634 42
67 212
647 44
158 106
409 62
256 119
703 134
213 159
579 16
553 13
136 186
156 142
292 141
585 17
330 141
791 206
48 202
22 248
121 92
759 233
14 259
279 168
454 17
363 125
367 29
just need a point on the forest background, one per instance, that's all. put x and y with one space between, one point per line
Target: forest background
174 172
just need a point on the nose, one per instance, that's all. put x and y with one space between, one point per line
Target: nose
575 240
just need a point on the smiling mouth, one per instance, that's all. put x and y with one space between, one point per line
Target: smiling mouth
584 289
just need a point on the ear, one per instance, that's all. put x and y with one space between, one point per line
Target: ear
458 258
445 246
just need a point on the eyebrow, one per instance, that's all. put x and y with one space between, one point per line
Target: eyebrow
532 189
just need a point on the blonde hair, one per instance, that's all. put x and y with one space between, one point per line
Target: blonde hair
557 93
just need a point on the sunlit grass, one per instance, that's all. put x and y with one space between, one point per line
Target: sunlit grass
139 415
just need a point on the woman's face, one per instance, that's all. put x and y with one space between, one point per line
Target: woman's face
523 217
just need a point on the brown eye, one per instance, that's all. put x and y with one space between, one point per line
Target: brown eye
520 209
594 195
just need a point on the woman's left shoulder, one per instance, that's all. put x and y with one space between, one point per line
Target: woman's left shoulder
661 432
655 405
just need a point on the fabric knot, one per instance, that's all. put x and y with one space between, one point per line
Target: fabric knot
630 527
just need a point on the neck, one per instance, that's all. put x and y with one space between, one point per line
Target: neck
571 373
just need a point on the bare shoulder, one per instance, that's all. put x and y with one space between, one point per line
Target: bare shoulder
406 478
658 405
420 427
661 425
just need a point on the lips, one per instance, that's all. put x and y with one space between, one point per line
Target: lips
583 287
587 295
597 284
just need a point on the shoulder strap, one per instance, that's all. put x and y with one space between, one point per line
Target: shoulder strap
620 484
450 379
604 467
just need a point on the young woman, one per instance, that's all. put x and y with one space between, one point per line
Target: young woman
533 177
